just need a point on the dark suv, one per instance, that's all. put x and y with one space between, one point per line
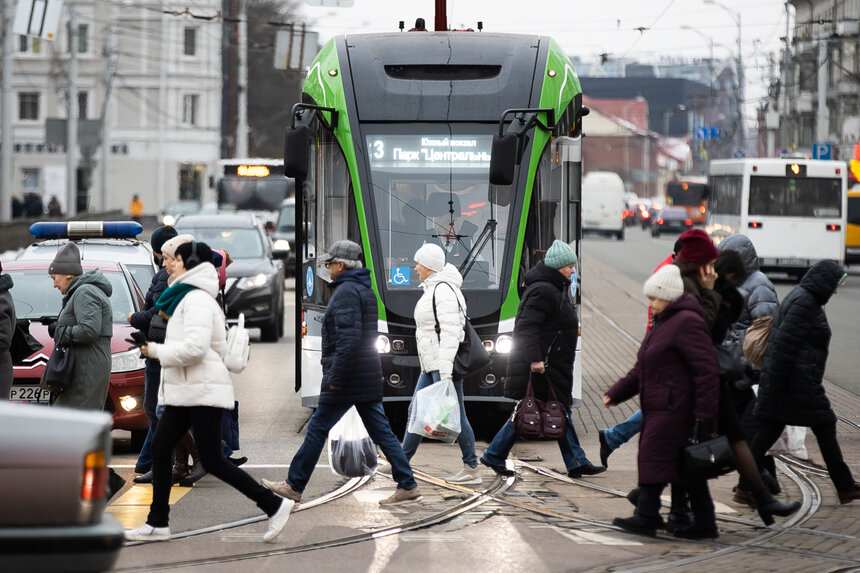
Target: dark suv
255 279
284 235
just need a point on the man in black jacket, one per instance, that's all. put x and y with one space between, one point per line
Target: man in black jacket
141 321
352 376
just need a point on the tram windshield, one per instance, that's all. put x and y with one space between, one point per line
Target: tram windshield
434 188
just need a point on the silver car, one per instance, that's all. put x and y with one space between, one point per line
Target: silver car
53 475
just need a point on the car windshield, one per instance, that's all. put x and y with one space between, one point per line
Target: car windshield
182 208
34 295
240 243
434 188
287 219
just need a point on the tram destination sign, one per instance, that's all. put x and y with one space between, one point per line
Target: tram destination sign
429 151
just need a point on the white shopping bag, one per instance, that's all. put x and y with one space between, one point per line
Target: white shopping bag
350 449
436 412
792 441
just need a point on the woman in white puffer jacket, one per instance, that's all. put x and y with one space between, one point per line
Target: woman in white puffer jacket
436 352
195 387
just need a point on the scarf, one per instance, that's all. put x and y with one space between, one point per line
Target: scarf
170 299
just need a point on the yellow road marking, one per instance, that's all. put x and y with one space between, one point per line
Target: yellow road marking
132 507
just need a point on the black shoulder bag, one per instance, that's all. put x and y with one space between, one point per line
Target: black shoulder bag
59 370
23 343
704 460
471 354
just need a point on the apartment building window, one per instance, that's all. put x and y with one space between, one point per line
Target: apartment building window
28 45
83 104
190 41
190 103
83 39
28 106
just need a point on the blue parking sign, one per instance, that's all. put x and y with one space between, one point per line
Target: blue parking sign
822 150
399 276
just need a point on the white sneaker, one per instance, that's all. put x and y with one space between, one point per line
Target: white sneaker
146 532
278 521
467 476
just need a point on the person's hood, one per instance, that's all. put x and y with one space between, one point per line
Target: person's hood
203 276
821 280
449 274
5 282
686 301
360 276
744 247
542 273
94 277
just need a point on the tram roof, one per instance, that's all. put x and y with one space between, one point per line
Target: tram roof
407 76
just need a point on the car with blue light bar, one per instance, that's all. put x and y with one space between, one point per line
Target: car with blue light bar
255 279
98 241
53 473
37 301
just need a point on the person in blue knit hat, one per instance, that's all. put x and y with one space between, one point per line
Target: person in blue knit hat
545 333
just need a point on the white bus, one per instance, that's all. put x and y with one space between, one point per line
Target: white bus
793 210
250 183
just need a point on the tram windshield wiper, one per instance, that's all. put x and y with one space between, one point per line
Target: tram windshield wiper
488 231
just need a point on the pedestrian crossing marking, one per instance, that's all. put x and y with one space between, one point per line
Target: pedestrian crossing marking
583 537
132 508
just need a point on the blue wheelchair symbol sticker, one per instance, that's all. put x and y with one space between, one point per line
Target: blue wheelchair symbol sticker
309 281
399 276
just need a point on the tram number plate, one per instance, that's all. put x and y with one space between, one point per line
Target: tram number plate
29 394
791 261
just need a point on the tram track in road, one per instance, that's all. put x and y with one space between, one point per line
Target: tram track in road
474 500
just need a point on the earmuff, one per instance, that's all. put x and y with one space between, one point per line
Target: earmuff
193 258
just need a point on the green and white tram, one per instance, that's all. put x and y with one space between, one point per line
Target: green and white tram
469 140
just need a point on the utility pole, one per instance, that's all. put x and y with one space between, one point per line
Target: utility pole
821 124
242 88
72 122
162 105
786 63
109 50
441 24
741 80
6 111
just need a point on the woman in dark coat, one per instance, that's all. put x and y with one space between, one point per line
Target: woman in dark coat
790 388
546 329
7 330
677 378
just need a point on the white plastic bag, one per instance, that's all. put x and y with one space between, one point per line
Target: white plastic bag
436 412
238 348
350 449
792 441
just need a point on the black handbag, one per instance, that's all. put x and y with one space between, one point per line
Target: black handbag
59 370
471 355
729 360
704 460
157 329
536 420
23 343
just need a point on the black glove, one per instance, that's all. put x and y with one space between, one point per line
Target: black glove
52 328
137 339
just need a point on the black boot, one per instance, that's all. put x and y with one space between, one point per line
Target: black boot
770 482
637 524
696 531
679 520
633 496
197 470
768 506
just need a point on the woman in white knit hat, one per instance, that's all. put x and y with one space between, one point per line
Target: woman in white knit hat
441 283
677 379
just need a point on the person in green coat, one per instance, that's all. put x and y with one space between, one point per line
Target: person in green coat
85 323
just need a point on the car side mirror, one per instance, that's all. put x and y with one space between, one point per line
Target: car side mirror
504 159
297 151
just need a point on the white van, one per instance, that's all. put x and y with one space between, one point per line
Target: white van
603 203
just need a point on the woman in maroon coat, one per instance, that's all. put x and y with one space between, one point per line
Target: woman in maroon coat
677 378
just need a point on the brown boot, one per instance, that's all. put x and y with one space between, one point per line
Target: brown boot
180 463
850 494
197 470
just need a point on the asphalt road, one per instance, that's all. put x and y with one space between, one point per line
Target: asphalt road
638 254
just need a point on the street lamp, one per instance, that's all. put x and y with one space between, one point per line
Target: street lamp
737 17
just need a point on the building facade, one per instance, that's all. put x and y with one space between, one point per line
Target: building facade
162 112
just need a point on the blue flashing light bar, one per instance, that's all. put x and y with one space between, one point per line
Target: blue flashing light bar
86 230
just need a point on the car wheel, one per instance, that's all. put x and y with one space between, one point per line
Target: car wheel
281 323
269 333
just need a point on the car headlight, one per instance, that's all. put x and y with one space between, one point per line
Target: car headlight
255 281
127 361
383 346
168 220
504 344
128 403
281 245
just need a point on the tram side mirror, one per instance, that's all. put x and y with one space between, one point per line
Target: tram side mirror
297 151
504 158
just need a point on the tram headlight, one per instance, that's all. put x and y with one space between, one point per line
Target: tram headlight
383 345
504 344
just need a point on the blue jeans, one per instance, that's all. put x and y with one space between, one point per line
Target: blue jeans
621 433
571 452
466 439
152 380
376 424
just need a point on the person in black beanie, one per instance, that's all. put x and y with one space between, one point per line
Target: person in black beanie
142 321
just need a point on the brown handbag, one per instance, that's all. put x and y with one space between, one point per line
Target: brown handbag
536 420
